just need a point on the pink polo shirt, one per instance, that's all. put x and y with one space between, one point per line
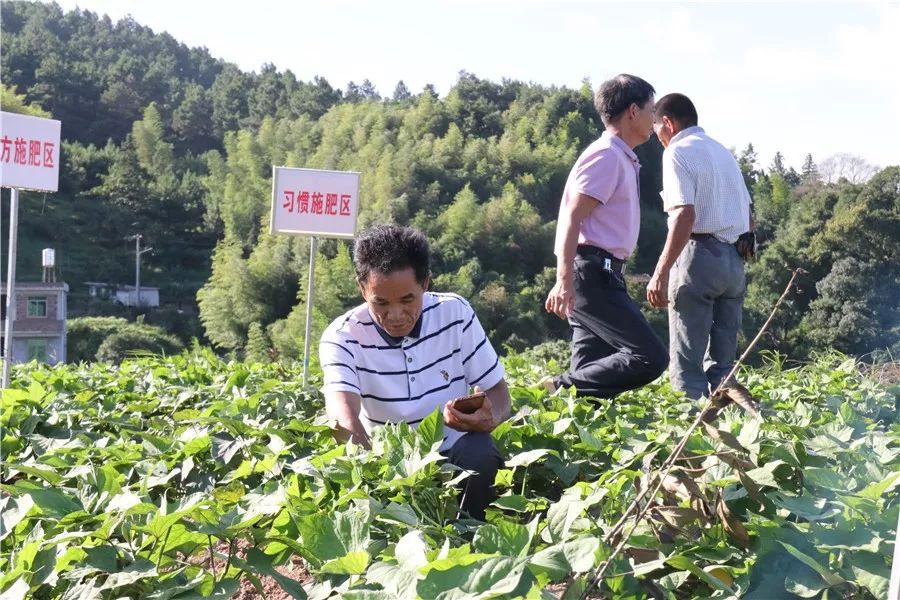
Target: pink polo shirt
608 172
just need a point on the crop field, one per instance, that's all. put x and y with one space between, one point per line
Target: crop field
192 476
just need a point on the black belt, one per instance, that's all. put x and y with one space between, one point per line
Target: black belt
608 261
703 236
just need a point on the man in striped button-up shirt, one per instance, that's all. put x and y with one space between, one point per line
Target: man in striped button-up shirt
700 275
406 352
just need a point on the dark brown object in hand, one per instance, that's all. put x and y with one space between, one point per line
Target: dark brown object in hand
746 246
469 404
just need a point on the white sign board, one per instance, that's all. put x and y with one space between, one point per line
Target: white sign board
29 152
314 202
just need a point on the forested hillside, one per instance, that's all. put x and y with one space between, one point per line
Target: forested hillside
172 143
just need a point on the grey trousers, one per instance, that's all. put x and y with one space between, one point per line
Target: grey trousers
706 294
476 451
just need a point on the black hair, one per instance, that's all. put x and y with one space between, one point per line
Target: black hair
385 249
616 95
677 107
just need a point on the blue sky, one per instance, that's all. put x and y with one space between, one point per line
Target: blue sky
795 77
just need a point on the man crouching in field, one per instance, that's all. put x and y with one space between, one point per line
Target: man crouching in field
406 351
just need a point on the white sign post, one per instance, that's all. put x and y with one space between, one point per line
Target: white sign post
29 159
318 204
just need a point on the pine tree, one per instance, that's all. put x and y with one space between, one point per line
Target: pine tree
401 92
809 174
257 349
777 167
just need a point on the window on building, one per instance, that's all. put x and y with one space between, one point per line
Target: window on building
37 307
37 350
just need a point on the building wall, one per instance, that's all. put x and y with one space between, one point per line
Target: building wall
53 323
51 329
56 349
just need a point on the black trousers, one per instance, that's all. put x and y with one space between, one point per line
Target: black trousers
614 349
476 451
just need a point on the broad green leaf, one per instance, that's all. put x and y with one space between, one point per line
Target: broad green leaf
225 446
353 563
561 425
514 502
17 591
830 578
805 583
410 551
878 489
54 503
399 513
806 507
103 558
684 563
488 578
210 589
332 537
51 477
396 581
523 459
829 479
562 514
558 560
871 571
12 511
502 537
765 475
141 569
856 538
430 430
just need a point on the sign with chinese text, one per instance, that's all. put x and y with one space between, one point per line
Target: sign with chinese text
29 152
314 202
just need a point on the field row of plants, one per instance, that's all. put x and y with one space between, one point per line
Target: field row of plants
177 478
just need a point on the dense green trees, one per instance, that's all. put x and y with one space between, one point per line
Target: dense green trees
169 142
846 236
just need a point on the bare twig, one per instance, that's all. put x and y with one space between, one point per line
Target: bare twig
664 469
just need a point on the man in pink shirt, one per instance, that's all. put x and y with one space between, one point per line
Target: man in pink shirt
613 346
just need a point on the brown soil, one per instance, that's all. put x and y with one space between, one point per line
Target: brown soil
884 373
295 570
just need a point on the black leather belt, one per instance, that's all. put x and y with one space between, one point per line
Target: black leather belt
703 236
606 260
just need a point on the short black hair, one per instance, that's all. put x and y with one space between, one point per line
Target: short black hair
385 249
615 95
677 107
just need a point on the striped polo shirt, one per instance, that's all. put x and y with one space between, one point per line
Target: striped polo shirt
699 170
445 355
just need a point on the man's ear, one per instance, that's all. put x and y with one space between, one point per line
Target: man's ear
426 283
362 289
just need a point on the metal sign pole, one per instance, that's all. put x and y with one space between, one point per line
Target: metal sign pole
894 591
310 291
10 284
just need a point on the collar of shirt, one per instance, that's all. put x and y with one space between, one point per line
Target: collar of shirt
619 143
686 132
396 341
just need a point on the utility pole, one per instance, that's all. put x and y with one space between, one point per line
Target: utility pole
137 266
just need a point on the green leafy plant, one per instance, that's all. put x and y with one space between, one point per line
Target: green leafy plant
180 477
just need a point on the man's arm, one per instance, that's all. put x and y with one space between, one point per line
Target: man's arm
678 236
561 299
343 408
495 410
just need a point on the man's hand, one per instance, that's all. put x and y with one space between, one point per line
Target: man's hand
658 290
746 246
343 409
561 299
480 420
